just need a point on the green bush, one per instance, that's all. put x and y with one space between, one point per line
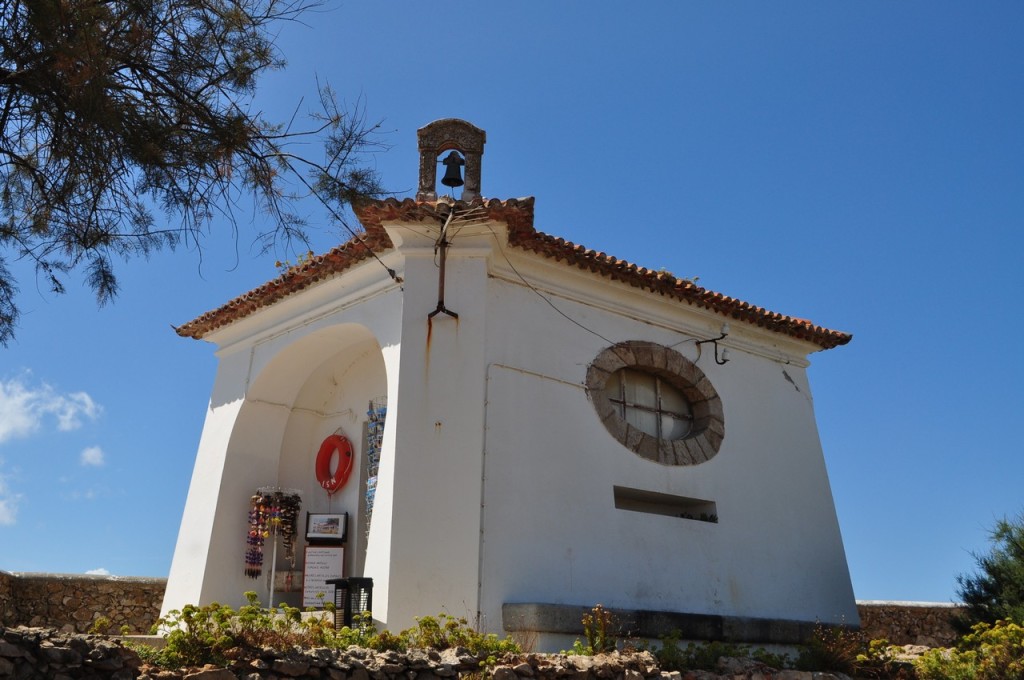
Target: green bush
996 591
946 664
705 656
844 650
101 626
599 628
989 652
197 635
445 632
831 648
200 635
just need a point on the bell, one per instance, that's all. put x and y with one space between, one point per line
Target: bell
453 173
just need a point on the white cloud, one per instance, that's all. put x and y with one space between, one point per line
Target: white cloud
70 409
24 408
8 504
92 456
98 572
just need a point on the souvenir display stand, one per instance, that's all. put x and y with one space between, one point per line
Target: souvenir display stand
374 438
273 512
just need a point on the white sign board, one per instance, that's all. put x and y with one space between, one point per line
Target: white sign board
322 563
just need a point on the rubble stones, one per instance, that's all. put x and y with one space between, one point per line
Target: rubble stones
906 623
76 602
43 653
50 655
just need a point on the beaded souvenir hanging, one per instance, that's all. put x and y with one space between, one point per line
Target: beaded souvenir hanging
270 514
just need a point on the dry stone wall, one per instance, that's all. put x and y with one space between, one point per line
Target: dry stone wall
7 610
48 655
74 602
909 623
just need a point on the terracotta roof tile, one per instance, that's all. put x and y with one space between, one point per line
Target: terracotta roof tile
518 213
293 280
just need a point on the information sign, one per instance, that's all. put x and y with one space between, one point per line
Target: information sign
323 562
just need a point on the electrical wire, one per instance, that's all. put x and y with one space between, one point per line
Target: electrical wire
566 316
541 295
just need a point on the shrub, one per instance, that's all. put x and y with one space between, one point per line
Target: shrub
197 635
100 626
831 648
599 626
996 591
201 635
989 652
878 660
705 656
946 664
445 632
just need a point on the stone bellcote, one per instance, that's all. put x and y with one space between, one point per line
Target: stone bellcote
445 135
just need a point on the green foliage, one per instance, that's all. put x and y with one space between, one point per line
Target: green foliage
831 648
878 660
127 128
770 659
704 656
201 635
946 664
430 632
197 635
445 632
364 633
669 656
996 591
579 648
147 654
988 652
599 629
100 626
838 648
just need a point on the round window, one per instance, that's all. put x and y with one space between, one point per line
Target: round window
656 403
649 403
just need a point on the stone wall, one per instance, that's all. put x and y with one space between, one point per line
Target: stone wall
7 611
73 602
909 623
46 655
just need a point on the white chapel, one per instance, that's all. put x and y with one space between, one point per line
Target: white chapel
514 428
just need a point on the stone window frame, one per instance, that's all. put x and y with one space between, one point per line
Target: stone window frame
706 434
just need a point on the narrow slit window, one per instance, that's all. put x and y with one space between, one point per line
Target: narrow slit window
668 505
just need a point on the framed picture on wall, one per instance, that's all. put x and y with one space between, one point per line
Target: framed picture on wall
326 527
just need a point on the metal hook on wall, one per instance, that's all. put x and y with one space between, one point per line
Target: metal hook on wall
725 351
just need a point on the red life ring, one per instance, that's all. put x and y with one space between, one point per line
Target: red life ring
332 483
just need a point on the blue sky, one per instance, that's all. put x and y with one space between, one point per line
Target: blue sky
857 164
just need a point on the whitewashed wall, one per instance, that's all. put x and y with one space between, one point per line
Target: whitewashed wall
496 480
284 376
551 531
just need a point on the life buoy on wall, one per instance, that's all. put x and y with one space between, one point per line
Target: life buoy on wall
332 483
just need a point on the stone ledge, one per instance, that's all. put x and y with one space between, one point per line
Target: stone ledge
566 619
